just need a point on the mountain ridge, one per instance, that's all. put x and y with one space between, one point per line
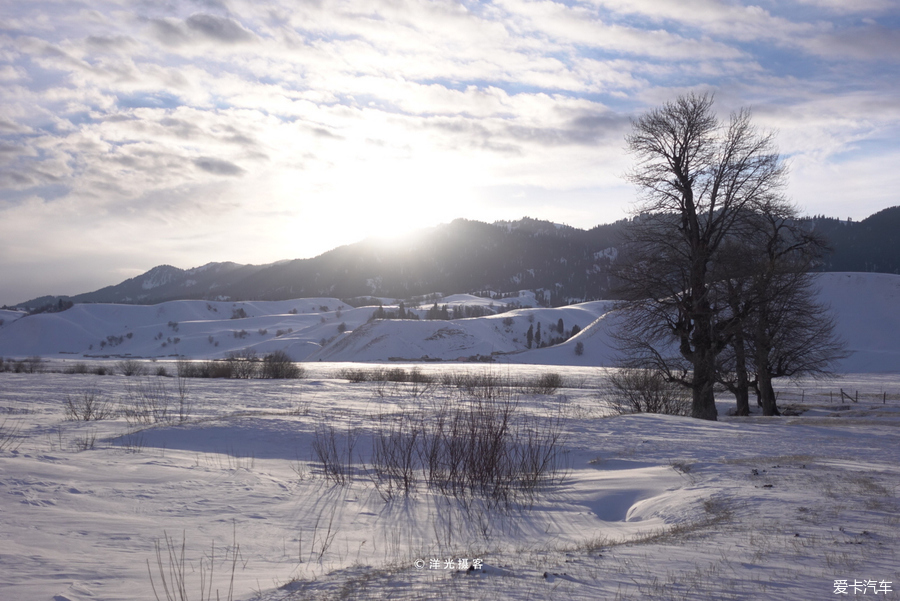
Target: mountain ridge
562 263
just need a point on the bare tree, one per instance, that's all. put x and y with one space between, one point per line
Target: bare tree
781 330
698 178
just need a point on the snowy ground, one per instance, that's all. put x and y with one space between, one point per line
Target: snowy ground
864 306
651 506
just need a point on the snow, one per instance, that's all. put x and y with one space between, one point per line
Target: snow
8 316
651 506
864 306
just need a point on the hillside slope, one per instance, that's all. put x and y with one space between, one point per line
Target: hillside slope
865 306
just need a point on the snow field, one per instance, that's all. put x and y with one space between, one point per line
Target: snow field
864 306
651 506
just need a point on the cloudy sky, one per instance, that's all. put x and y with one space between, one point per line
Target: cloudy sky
139 132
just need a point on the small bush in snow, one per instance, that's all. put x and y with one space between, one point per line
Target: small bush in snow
334 450
9 435
353 375
151 402
546 383
172 577
646 391
131 367
31 365
465 449
147 403
244 364
88 406
279 364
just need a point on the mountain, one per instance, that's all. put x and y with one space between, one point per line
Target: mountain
570 263
562 264
870 245
165 282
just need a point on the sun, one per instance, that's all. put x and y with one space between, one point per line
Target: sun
382 200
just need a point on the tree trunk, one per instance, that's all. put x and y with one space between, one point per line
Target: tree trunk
742 384
767 393
742 399
704 400
761 361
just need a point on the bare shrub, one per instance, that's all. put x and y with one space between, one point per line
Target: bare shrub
131 367
85 442
395 374
9 434
186 369
482 385
244 364
147 403
214 369
646 391
173 570
88 406
279 365
77 368
396 455
183 404
546 383
31 365
334 450
353 375
469 448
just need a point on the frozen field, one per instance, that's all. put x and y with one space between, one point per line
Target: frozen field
642 506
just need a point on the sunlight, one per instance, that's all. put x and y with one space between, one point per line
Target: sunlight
374 198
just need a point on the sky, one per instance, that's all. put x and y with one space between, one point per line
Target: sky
138 133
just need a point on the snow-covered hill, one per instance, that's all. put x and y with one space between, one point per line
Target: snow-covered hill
866 308
462 338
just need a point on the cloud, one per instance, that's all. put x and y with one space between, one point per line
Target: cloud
152 116
218 166
858 6
200 27
221 29
872 42
105 43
